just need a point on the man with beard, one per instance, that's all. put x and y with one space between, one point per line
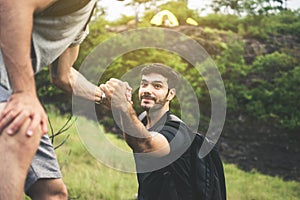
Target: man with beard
160 145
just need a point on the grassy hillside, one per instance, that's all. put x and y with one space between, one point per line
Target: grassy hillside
88 179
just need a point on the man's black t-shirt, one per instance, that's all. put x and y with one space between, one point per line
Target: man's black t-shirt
166 177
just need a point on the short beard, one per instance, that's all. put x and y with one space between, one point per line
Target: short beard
147 109
155 107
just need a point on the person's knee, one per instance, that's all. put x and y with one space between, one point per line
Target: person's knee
14 146
60 192
16 152
19 141
50 189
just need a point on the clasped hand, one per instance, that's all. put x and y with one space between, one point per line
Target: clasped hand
118 93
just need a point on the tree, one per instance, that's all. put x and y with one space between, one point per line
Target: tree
262 7
227 6
138 4
249 7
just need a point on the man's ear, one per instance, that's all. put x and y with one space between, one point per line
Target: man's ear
171 94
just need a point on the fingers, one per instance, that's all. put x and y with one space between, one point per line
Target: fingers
110 86
5 119
17 120
44 124
107 95
19 108
8 117
98 94
128 93
114 84
104 88
35 122
12 118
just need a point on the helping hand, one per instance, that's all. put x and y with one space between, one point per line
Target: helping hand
117 92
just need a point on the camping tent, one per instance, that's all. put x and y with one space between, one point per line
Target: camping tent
164 18
191 21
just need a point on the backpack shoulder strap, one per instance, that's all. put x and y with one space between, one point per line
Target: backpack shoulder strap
220 170
142 115
174 118
195 146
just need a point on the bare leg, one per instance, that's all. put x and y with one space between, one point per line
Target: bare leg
16 154
48 189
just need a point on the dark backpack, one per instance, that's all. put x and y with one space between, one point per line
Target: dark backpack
208 181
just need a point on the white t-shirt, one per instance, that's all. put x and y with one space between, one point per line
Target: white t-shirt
51 36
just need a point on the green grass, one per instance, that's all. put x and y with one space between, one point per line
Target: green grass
86 177
89 179
255 186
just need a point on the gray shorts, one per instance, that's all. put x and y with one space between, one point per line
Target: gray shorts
44 164
4 94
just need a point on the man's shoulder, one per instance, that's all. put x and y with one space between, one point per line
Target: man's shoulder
174 125
175 121
172 117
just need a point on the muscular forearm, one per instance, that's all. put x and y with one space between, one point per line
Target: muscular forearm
64 76
15 33
135 133
78 85
84 88
16 23
139 138
16 19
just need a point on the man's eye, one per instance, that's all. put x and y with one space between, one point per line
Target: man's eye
157 86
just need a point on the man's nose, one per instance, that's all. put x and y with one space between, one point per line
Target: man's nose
147 89
146 92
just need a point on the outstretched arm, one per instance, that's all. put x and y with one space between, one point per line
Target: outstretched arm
64 76
136 135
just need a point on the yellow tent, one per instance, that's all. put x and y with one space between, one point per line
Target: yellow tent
164 18
191 21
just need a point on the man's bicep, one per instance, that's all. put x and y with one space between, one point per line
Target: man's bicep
159 144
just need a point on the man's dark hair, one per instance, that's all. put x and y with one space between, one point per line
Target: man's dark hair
163 70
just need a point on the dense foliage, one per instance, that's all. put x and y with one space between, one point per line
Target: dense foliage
257 56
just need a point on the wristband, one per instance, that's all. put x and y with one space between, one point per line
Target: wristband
102 100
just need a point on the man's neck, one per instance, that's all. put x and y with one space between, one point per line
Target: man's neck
154 116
